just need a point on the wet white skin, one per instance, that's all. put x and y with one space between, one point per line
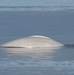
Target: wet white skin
32 42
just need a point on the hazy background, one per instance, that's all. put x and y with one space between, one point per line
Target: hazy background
36 2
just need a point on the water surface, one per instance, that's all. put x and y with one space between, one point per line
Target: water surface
58 25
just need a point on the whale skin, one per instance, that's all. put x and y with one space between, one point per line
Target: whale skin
33 42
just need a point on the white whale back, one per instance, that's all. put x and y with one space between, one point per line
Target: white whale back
32 41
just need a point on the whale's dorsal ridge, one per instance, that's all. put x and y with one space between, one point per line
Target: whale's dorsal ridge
40 36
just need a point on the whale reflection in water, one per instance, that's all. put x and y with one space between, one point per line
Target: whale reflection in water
30 50
30 53
35 41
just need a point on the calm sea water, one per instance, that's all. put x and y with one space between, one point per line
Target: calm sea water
58 25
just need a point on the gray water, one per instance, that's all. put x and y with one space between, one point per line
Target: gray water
58 25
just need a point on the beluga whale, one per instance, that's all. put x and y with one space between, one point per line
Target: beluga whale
35 41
